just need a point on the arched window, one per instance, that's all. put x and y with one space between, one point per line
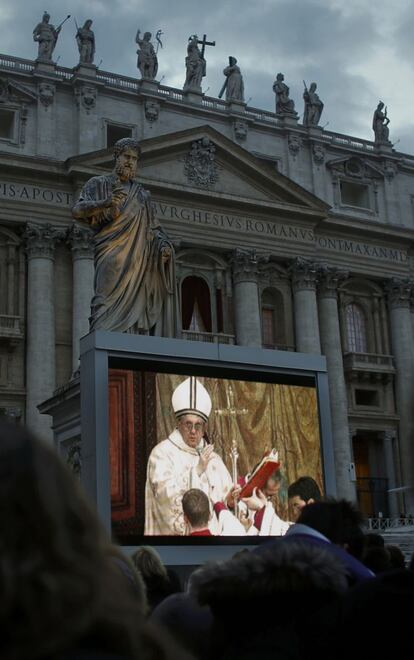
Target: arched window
196 305
356 329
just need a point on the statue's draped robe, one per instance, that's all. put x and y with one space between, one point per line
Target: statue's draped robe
134 289
235 84
171 471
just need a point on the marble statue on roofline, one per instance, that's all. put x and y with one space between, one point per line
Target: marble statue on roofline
380 123
313 105
284 104
233 85
147 61
46 36
85 39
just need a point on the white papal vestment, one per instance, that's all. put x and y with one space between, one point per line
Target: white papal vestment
171 471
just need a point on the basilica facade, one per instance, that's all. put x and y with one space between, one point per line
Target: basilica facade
287 237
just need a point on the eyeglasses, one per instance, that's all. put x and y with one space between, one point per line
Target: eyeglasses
189 426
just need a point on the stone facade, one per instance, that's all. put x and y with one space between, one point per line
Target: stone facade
300 238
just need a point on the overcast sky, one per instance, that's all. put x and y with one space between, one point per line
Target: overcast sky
357 51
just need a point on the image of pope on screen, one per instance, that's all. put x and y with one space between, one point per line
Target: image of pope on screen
194 487
184 461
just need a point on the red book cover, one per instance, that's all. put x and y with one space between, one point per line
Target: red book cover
260 474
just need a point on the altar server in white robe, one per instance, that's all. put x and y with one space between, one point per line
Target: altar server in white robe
183 461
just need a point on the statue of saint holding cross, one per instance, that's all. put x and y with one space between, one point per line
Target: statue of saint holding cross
195 63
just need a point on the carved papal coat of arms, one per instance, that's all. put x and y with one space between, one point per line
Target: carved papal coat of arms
199 165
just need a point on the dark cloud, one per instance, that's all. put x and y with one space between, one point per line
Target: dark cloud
312 40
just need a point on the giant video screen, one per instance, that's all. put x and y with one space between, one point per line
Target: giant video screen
203 459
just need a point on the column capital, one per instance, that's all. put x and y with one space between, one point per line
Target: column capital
399 292
246 264
81 242
329 279
389 435
40 240
304 274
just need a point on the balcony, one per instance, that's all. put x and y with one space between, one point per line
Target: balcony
211 337
368 366
280 347
10 330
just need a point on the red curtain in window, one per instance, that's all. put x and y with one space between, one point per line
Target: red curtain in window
195 289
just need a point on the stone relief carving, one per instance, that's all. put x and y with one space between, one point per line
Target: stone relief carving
86 96
355 167
199 165
46 94
240 129
294 144
390 170
74 459
152 110
318 153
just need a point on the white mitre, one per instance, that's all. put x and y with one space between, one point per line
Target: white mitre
191 398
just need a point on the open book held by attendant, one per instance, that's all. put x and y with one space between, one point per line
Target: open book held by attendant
260 474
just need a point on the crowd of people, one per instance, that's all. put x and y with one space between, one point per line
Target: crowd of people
324 589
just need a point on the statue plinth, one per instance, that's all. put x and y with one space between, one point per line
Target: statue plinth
193 95
45 67
315 131
235 106
148 85
83 70
287 120
383 147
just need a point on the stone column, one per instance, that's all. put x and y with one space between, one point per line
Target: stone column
304 277
330 279
81 242
246 298
399 293
388 443
40 356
